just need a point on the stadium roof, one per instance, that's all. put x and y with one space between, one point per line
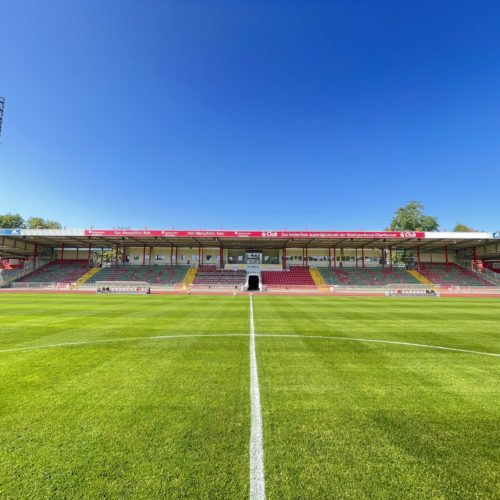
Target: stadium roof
81 238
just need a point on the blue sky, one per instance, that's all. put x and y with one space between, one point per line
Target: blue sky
250 114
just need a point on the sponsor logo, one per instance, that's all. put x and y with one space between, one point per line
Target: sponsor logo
10 232
269 234
408 234
496 235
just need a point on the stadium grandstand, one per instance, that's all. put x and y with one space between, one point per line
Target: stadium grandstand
323 261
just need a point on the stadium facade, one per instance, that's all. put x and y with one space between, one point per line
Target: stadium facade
219 258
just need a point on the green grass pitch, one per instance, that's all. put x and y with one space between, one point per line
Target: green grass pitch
148 396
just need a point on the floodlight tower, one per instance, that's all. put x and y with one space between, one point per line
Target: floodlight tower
2 105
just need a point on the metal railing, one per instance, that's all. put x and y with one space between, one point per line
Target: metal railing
488 275
9 275
41 284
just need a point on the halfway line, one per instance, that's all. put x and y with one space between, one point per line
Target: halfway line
257 484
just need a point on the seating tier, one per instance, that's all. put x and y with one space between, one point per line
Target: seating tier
57 272
152 274
212 276
453 275
295 276
369 276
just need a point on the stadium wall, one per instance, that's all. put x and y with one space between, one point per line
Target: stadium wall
295 256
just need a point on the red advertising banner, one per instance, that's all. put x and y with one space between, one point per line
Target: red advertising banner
166 233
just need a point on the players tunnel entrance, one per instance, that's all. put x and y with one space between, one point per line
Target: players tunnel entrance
253 282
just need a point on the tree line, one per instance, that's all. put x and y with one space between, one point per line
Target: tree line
410 217
17 221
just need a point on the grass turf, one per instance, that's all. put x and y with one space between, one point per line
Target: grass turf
170 417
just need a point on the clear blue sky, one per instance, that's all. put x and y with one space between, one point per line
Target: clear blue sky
250 114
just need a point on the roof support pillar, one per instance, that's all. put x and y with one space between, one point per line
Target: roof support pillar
90 253
334 258
418 258
390 256
221 258
171 255
35 255
446 258
116 255
283 264
62 253
363 257
144 255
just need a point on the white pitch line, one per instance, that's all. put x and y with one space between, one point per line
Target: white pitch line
394 342
257 484
123 339
160 337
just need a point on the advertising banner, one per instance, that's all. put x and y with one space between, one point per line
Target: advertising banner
166 233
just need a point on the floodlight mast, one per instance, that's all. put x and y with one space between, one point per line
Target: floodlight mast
2 105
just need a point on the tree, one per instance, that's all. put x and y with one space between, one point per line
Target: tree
41 223
411 218
12 221
462 228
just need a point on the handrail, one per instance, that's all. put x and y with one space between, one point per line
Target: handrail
488 275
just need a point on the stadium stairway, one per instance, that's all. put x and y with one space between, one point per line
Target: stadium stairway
318 278
189 278
420 278
80 281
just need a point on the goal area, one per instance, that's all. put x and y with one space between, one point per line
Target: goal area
123 287
411 290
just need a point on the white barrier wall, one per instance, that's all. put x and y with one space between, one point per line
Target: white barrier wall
165 256
211 256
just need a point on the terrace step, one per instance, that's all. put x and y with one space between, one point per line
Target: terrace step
189 278
420 278
80 281
317 277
